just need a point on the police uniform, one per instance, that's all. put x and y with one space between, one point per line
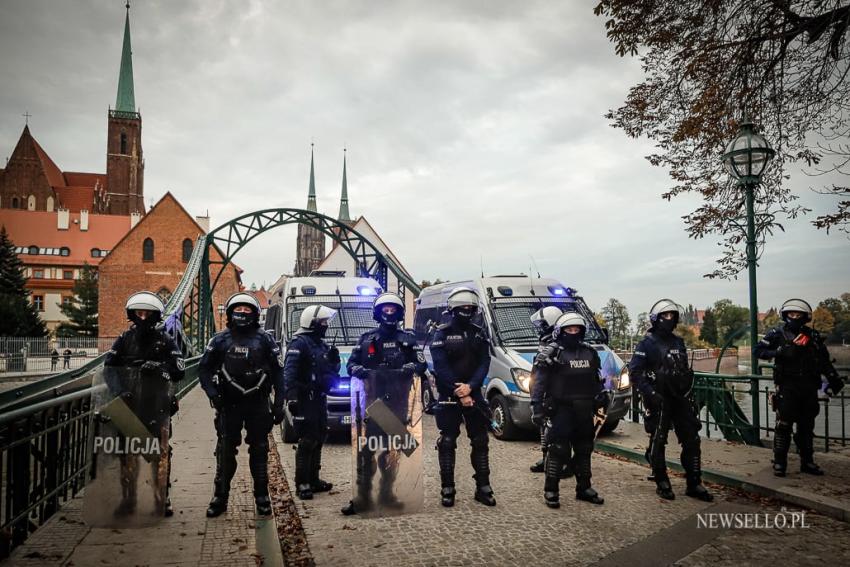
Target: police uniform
566 390
309 372
461 354
660 371
238 372
386 357
797 377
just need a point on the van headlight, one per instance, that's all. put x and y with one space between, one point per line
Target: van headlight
522 377
625 381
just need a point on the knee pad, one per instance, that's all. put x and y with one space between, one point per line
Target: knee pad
559 450
480 441
582 449
446 443
691 446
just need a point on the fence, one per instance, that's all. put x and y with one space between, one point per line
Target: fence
738 408
36 355
45 454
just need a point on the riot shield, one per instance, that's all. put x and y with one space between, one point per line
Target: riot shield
386 435
130 464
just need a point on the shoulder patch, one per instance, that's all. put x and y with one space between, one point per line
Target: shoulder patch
181 364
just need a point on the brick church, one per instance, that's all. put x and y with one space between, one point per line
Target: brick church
31 181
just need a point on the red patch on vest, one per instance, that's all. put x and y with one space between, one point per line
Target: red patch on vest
371 349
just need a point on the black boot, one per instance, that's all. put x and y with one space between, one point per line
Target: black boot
484 494
349 509
169 511
447 496
218 506
663 488
305 492
699 492
304 468
811 468
781 444
316 483
553 468
691 462
581 463
264 505
806 444
538 466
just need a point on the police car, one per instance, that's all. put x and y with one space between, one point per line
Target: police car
506 305
352 298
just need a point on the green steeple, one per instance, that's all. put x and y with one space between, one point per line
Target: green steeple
126 100
311 197
343 202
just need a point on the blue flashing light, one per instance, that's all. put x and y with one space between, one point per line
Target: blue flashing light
365 290
561 291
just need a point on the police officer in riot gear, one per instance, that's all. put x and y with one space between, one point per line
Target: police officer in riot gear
662 375
310 367
461 354
801 358
566 390
238 371
146 345
387 347
543 320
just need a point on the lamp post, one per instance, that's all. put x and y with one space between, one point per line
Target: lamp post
220 315
745 159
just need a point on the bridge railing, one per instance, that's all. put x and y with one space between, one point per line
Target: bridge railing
738 408
45 455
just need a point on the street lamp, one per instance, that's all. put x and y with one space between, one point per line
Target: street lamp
220 314
745 159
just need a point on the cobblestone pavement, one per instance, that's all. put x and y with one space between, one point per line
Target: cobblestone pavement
521 528
188 538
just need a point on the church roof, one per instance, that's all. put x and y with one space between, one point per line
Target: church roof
344 215
40 228
311 194
125 101
75 199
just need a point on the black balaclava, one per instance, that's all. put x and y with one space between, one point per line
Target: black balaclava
319 331
147 324
388 324
242 322
570 341
666 326
794 325
463 317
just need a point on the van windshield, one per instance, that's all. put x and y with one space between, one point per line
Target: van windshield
512 318
353 318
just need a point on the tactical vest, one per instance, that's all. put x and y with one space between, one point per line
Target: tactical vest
244 370
801 370
314 369
673 375
386 351
574 374
464 348
139 346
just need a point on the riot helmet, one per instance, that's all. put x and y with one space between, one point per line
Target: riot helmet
463 304
565 329
544 319
144 309
242 319
315 319
796 313
664 315
388 309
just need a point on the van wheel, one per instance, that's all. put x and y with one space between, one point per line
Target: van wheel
609 426
287 432
502 416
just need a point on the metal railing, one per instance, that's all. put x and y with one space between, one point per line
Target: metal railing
45 455
738 408
35 355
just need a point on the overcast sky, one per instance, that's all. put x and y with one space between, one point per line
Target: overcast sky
474 129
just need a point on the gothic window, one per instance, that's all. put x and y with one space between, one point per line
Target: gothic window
187 250
147 250
50 204
31 203
14 202
123 143
164 294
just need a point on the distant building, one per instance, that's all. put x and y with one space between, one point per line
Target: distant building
153 256
310 243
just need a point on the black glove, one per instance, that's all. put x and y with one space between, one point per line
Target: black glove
834 385
603 398
217 401
652 400
333 356
293 407
277 414
537 415
409 367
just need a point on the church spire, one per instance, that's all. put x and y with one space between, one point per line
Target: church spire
343 202
311 197
126 100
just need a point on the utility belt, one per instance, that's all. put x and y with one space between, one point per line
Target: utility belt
259 387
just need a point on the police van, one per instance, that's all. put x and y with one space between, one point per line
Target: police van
506 306
353 299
